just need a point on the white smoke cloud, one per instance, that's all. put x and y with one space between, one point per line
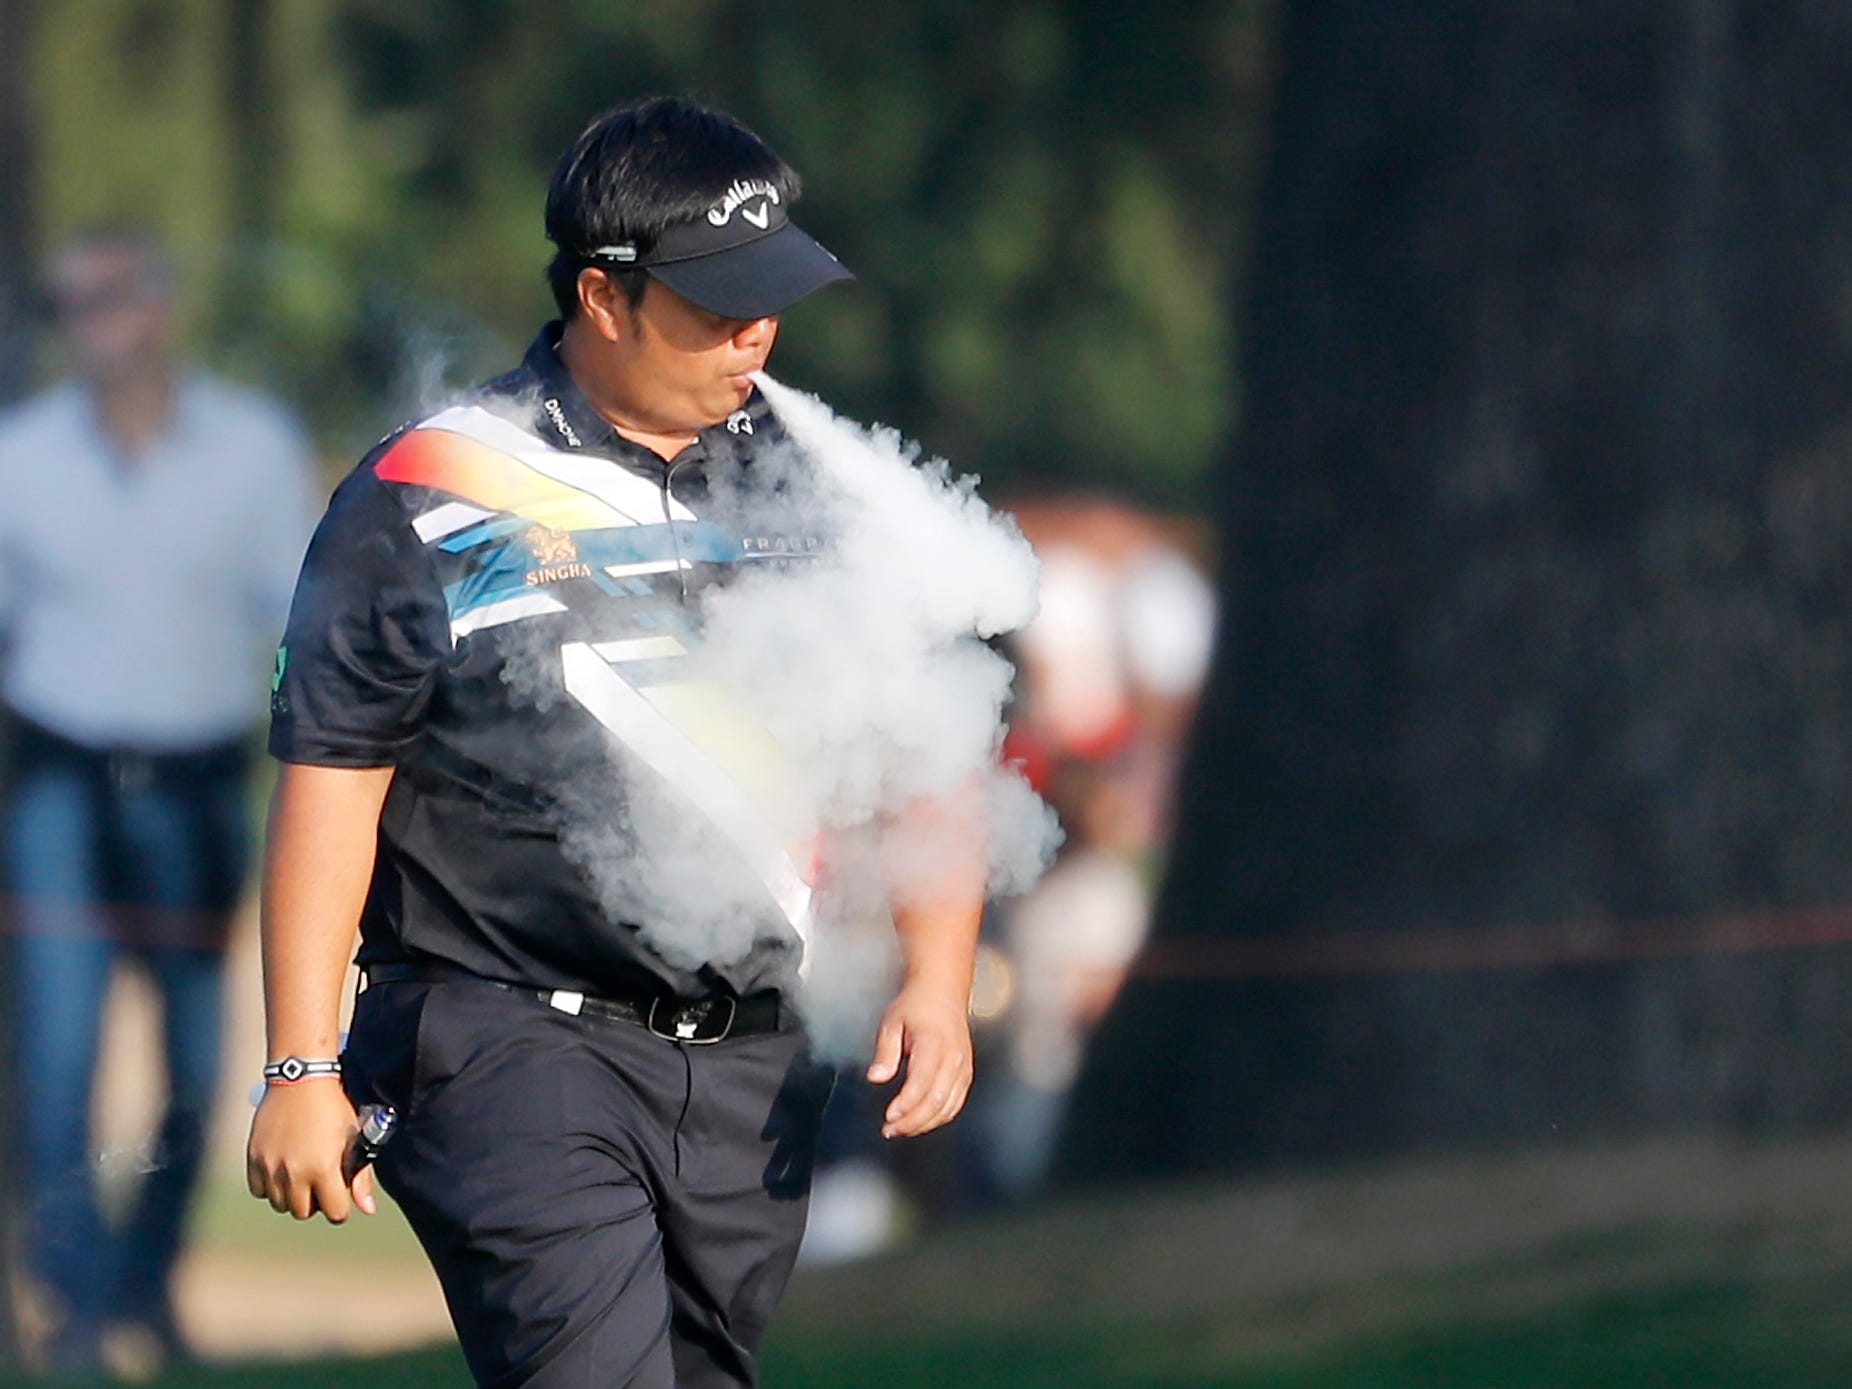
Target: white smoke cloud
868 671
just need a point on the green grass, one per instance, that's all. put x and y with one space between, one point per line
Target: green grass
1695 1265
440 1368
1793 1334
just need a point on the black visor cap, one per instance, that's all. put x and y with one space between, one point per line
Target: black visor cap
758 279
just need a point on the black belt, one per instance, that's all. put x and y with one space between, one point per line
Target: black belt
695 1021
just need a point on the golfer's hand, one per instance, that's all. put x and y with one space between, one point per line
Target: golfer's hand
928 1029
299 1137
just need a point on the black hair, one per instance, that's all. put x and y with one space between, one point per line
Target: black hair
636 171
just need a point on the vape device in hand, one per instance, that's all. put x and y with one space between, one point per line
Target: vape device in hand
378 1122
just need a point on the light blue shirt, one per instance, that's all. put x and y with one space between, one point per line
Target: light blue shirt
140 599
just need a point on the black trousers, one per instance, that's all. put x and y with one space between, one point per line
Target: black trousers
603 1207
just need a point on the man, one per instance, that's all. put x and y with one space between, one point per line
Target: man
605 1141
154 518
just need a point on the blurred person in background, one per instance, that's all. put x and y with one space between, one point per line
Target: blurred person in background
153 523
1108 676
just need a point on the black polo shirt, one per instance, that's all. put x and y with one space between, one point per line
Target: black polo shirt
500 604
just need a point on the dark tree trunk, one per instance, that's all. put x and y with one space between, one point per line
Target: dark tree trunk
258 149
245 277
18 318
1536 598
17 185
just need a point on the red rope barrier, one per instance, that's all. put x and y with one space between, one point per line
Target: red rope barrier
1462 949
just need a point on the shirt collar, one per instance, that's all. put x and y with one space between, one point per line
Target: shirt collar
184 417
567 420
563 416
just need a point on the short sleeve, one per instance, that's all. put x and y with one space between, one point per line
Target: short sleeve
366 637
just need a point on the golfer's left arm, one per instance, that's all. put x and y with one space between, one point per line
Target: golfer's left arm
927 1028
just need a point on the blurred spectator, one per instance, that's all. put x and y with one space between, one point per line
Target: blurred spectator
1109 671
153 524
1107 679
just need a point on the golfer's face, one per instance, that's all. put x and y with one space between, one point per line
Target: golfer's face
683 368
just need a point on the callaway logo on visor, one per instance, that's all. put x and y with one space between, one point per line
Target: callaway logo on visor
737 198
742 258
761 212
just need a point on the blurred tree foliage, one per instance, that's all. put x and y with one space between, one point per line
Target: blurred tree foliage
1043 198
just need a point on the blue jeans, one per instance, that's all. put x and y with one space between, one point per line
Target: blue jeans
103 867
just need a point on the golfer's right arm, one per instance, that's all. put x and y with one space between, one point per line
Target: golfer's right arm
318 861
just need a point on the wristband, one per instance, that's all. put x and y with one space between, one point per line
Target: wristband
294 1068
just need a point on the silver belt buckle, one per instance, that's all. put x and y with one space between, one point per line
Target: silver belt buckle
690 1023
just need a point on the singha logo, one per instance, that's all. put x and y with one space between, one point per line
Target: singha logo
557 555
550 546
